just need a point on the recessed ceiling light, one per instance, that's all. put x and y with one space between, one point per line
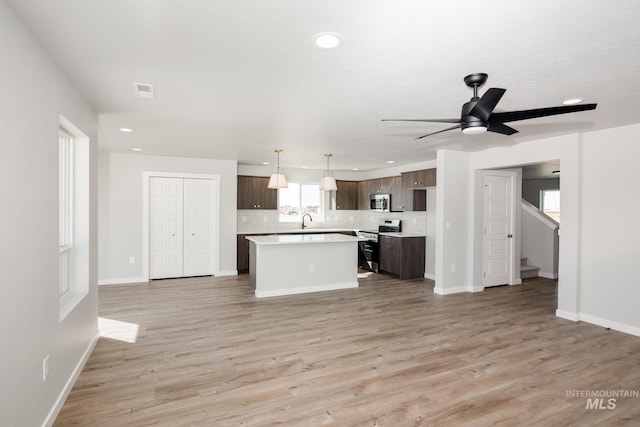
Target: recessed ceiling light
265 163
136 149
126 130
354 169
327 40
572 101
390 161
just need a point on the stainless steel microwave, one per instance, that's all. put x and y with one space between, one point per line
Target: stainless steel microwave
380 202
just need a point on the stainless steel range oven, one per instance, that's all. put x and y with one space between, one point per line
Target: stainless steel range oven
369 248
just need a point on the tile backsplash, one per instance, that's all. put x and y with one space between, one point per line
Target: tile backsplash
266 221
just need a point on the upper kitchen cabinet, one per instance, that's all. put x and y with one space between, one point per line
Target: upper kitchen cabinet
419 179
254 194
413 200
389 185
346 198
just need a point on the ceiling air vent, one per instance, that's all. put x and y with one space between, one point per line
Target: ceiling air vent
144 90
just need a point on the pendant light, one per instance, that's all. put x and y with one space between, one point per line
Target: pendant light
278 180
328 182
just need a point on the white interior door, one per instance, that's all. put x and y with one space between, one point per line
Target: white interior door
498 228
198 227
165 227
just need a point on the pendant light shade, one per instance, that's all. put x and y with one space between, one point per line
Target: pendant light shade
328 182
278 180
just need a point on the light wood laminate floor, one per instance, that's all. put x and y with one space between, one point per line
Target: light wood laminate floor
389 353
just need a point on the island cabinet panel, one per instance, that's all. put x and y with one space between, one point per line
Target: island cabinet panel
346 198
254 194
402 256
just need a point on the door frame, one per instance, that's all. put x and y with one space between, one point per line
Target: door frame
514 247
146 176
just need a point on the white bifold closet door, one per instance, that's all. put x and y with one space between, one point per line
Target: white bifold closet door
181 227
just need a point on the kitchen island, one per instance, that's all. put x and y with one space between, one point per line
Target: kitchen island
301 263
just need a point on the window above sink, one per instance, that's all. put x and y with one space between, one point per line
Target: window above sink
300 199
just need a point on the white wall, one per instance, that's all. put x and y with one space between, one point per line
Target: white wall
597 256
453 226
540 242
34 93
121 205
609 292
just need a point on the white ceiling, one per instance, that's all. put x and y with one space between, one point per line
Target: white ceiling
236 79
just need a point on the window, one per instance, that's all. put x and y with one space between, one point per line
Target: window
74 241
550 203
300 199
65 206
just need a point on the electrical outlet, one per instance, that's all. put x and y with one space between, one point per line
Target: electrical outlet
415 221
312 267
45 368
132 260
453 268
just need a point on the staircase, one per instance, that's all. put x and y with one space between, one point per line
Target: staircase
528 271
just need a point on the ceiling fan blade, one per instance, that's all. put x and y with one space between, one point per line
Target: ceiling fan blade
484 107
424 120
500 128
440 131
513 116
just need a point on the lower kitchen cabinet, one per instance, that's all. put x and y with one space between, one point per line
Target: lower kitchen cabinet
402 256
242 254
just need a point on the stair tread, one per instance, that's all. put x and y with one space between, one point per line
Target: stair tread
529 268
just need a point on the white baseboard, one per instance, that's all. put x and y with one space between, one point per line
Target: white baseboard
304 290
53 413
548 275
516 282
567 315
447 291
226 273
606 323
429 276
477 289
123 281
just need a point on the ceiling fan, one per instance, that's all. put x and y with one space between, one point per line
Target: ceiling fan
478 117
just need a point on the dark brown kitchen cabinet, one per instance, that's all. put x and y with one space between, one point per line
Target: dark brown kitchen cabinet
419 179
390 185
402 256
365 189
346 198
242 258
254 194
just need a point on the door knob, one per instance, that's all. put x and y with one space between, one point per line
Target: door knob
510 235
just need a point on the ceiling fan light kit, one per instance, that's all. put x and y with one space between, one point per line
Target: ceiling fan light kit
477 115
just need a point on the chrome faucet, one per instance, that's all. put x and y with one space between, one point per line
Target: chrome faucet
310 219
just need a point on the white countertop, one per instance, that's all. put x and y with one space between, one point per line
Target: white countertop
288 239
311 231
401 234
299 231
